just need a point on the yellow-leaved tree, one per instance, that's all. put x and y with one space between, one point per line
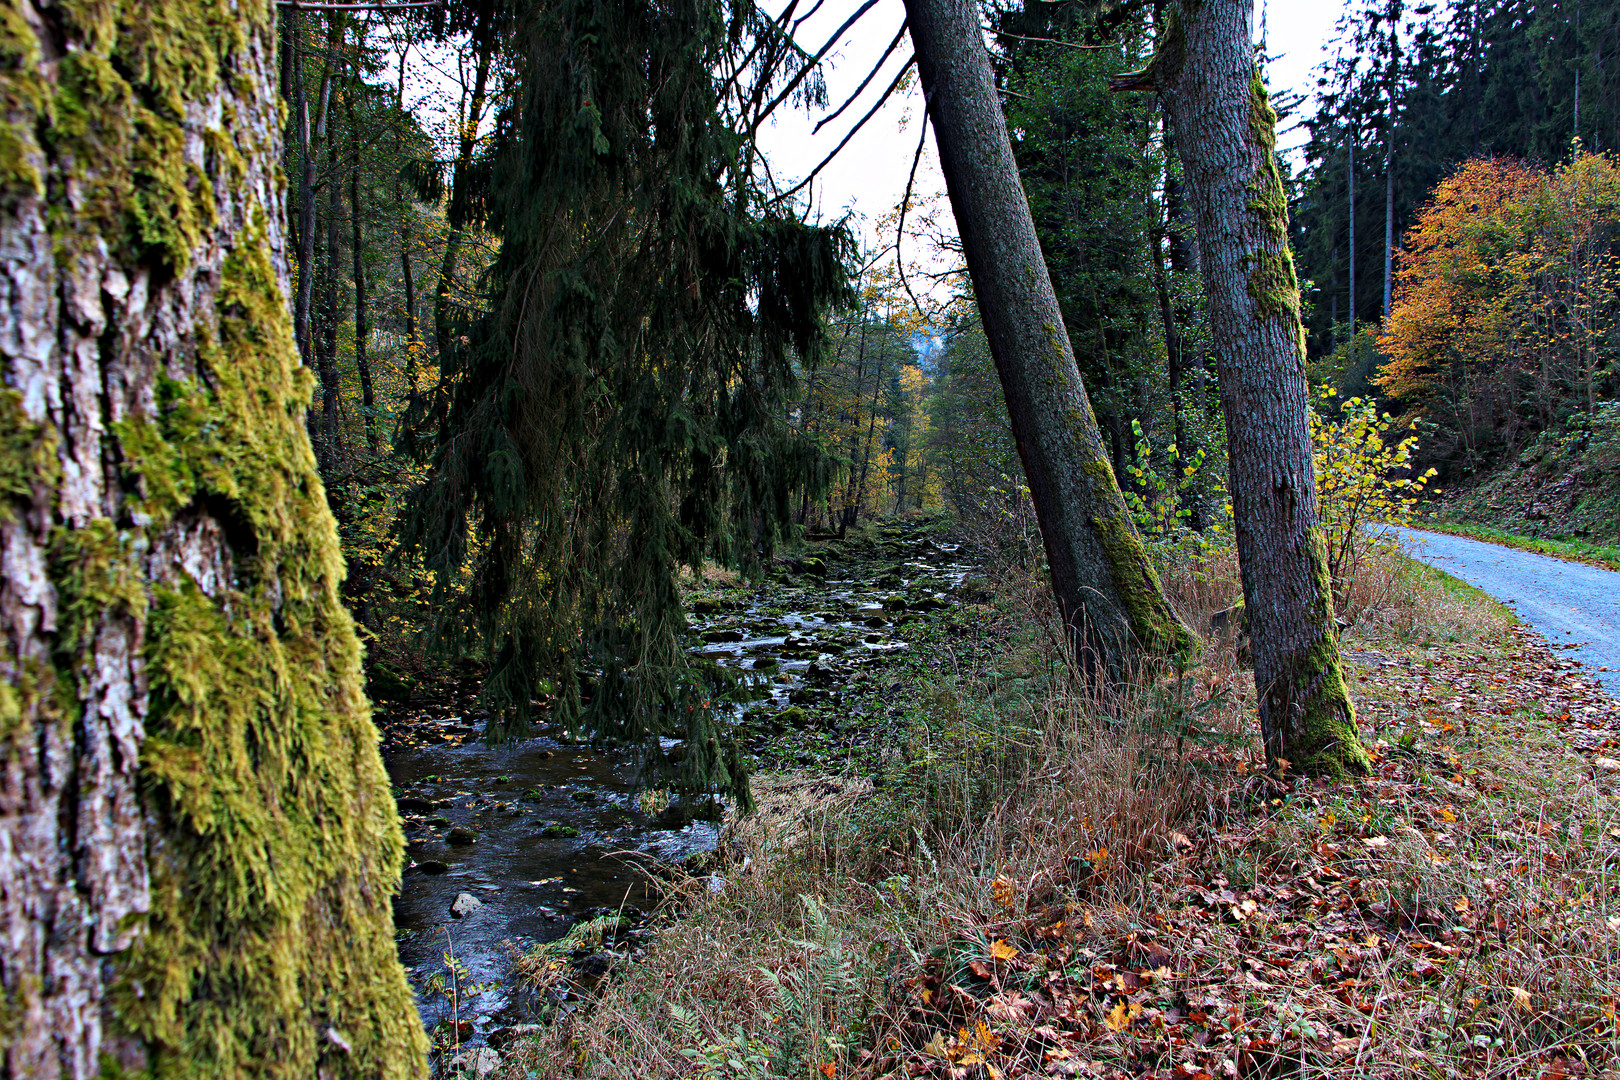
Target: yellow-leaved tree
1363 479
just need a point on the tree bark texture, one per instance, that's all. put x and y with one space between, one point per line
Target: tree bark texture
1205 73
197 843
1108 592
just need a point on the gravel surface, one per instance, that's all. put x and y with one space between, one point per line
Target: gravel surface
1564 601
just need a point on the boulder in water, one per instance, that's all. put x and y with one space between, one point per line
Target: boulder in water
465 904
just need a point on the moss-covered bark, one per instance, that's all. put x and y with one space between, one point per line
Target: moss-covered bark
196 834
1225 130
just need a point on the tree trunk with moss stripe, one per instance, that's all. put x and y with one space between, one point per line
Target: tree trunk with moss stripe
1204 71
1109 594
197 843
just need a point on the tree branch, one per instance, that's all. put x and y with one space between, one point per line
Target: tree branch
793 84
851 133
870 75
395 5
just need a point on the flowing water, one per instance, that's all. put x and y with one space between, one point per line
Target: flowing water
546 832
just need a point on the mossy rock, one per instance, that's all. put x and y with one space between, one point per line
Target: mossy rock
559 832
461 836
704 605
895 602
792 716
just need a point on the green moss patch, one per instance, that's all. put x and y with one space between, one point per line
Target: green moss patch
273 844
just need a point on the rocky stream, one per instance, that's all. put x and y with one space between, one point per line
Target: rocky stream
510 846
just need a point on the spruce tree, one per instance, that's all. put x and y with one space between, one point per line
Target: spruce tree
621 411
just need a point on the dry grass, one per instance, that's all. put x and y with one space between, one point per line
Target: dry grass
1039 893
836 889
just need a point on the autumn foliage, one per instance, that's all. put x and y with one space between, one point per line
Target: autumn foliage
1505 306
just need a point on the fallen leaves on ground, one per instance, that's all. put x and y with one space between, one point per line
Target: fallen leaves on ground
1457 912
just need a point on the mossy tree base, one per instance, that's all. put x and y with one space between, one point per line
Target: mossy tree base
1225 131
196 836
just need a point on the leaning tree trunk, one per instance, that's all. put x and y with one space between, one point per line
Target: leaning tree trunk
1205 73
197 844
1110 596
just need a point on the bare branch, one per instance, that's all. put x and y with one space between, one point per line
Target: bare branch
793 84
864 82
394 5
851 133
905 204
1043 40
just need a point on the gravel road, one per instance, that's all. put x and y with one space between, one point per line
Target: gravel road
1564 601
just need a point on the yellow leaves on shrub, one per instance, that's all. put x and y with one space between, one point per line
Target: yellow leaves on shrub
1362 478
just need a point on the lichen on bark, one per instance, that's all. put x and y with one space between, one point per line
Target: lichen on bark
1273 282
1321 738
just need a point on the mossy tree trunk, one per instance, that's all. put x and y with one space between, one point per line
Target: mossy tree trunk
1204 71
197 843
1109 594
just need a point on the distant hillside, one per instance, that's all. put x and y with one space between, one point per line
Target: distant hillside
1565 485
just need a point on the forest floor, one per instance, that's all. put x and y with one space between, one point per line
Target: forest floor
955 873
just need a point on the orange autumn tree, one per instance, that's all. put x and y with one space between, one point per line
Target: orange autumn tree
1569 304
1449 333
1507 300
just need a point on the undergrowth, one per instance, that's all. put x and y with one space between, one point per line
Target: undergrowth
1029 890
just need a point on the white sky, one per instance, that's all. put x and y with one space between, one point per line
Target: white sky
869 176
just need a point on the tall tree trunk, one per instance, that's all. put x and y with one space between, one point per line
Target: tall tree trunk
1205 74
871 435
304 297
362 314
329 447
197 843
1350 197
1107 590
412 334
1173 239
1394 75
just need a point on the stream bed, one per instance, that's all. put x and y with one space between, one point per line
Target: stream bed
543 833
